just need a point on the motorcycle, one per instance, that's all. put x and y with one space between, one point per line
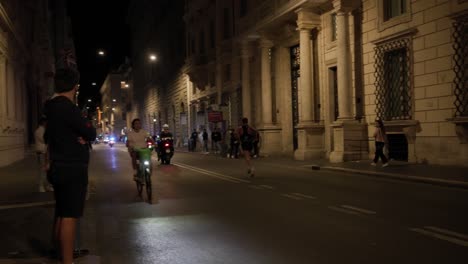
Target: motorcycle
111 142
166 150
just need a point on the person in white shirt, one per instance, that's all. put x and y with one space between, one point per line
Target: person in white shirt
41 152
137 138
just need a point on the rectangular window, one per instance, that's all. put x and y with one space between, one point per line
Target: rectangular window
202 42
212 34
393 8
243 8
393 85
333 27
460 66
227 72
227 24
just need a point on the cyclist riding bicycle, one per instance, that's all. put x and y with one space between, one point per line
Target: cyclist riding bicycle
137 138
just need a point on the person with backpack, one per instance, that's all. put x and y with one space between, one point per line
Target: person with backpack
247 136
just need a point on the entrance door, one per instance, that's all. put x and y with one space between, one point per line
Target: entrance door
397 147
295 74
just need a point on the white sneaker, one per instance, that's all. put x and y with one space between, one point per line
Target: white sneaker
385 164
373 164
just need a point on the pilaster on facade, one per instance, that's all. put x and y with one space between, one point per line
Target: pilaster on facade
310 133
265 46
246 53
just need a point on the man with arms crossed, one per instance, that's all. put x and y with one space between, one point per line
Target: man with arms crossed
67 134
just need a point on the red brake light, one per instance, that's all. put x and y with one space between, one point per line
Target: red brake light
167 145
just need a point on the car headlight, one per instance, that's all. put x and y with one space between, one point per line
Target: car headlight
146 162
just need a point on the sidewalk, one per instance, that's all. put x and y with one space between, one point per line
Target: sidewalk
451 176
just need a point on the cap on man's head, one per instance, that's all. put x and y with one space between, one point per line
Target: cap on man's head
66 79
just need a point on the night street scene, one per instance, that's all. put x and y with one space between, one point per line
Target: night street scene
233 131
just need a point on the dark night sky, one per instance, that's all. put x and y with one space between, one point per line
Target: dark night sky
98 25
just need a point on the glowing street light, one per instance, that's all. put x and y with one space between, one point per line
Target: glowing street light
101 53
126 85
93 84
152 57
113 100
89 100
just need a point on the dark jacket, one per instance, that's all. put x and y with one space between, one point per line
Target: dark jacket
216 136
65 125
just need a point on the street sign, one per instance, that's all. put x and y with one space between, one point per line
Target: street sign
215 116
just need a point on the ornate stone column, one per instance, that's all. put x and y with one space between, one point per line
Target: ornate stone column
266 46
350 141
343 54
310 132
246 92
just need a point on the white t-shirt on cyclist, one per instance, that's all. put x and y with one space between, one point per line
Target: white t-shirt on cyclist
137 139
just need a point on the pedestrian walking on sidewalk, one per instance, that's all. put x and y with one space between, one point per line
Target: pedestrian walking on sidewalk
41 149
205 140
380 142
216 140
193 140
246 136
67 135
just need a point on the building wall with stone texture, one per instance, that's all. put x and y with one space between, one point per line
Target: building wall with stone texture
26 71
429 24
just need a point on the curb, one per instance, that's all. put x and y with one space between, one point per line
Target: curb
434 181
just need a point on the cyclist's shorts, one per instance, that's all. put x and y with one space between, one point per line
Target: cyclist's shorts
70 182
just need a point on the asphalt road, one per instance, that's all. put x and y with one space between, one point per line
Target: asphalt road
206 210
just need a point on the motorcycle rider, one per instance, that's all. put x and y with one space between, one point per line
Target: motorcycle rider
137 138
164 136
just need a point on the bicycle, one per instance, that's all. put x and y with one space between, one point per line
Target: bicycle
144 172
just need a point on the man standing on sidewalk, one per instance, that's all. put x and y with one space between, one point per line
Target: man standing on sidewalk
67 134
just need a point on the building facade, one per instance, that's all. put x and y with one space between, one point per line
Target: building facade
112 115
313 76
159 86
28 44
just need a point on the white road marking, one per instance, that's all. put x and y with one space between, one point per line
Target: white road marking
447 232
440 236
268 187
304 196
291 196
364 211
24 205
342 210
211 173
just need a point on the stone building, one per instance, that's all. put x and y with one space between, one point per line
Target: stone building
115 99
32 32
313 75
158 85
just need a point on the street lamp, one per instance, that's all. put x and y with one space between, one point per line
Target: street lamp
89 100
113 100
101 53
152 57
93 84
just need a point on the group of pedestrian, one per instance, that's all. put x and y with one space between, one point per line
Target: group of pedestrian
241 141
228 144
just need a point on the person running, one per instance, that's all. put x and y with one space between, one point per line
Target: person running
246 135
137 138
380 141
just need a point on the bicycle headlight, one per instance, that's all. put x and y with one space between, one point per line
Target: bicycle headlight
146 162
